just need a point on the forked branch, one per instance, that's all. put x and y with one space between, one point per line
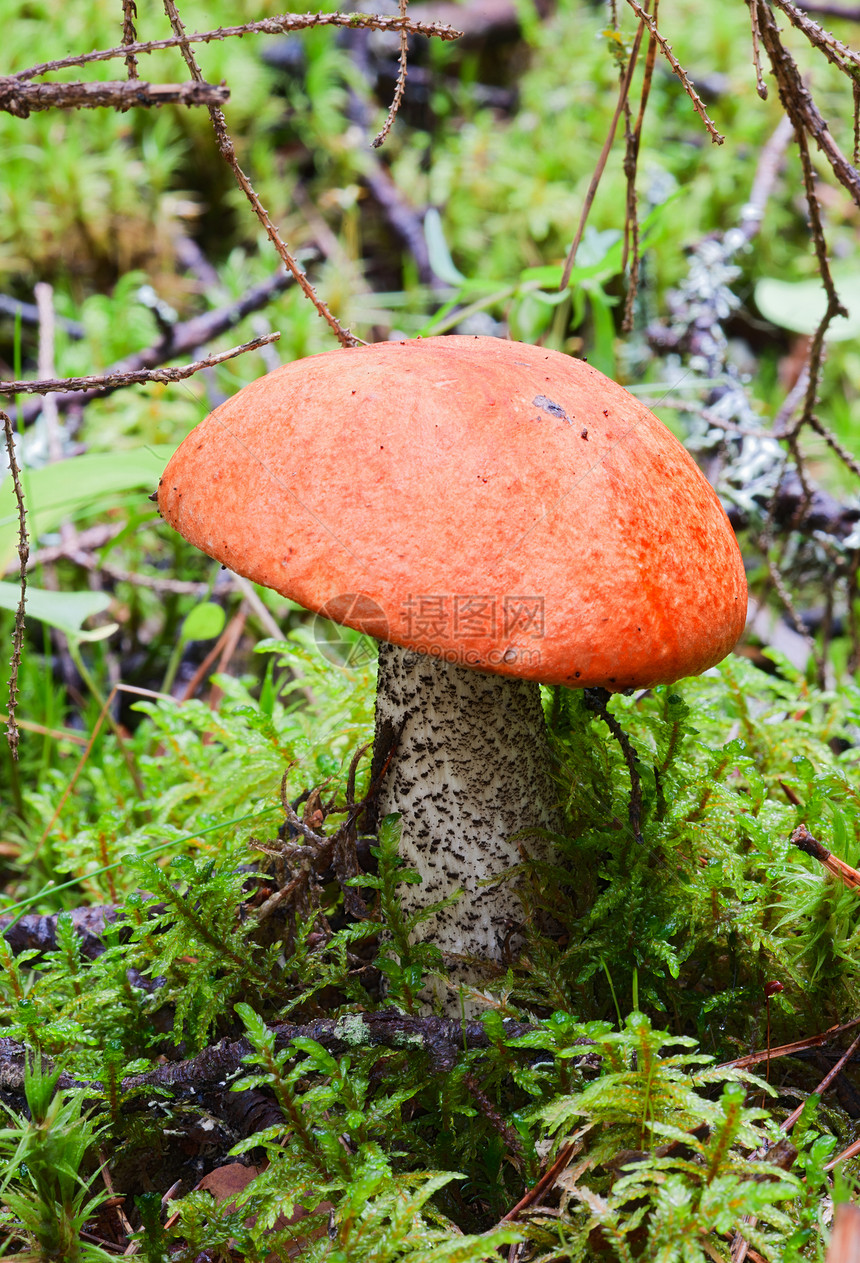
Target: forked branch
266 26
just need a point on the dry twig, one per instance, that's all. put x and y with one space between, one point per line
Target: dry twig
698 104
804 841
442 1039
837 53
183 338
400 86
228 153
23 554
631 165
798 104
845 1240
46 368
834 306
833 443
403 219
129 35
761 86
600 166
787 1123
106 382
789 1050
266 26
22 99
545 1183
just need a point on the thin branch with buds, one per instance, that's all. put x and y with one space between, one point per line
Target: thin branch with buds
23 99
631 167
666 48
400 86
282 25
834 306
600 167
183 338
129 35
837 53
760 85
798 104
228 153
107 382
23 554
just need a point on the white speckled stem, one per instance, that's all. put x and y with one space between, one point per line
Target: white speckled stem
471 769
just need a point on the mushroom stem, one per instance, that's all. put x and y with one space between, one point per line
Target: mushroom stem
470 769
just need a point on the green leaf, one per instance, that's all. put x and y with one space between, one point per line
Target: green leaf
205 622
67 611
319 1058
75 488
800 305
469 1249
437 250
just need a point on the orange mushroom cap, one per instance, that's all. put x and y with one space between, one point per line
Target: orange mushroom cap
499 505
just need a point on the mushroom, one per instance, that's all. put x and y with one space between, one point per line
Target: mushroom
500 516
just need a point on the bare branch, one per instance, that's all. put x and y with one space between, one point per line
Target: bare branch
266 26
623 94
129 35
645 20
23 99
442 1039
34 932
119 378
631 166
837 53
767 171
28 314
698 104
80 553
793 613
799 105
228 153
88 539
23 554
760 85
184 338
400 86
403 219
834 306
833 443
